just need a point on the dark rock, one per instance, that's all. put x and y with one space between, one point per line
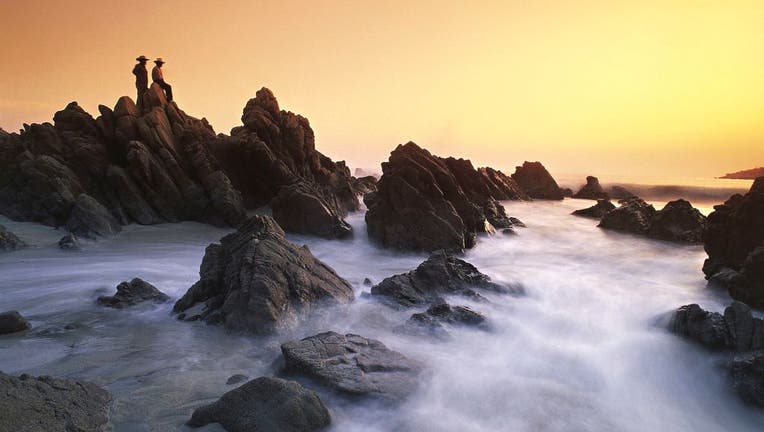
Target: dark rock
353 365
12 322
509 231
440 274
734 241
301 208
367 282
678 221
69 242
133 292
90 219
235 379
746 375
633 216
597 211
42 404
364 185
592 190
566 192
9 241
736 330
256 281
620 193
536 181
457 315
266 405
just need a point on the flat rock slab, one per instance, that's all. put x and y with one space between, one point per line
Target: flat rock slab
266 405
353 365
46 404
133 292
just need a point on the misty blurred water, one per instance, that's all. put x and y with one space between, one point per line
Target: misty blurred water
584 350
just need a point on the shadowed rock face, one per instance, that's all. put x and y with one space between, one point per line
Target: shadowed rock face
12 322
597 211
633 215
133 292
353 365
266 405
301 208
33 404
536 181
734 241
592 190
426 203
256 281
364 185
9 241
678 221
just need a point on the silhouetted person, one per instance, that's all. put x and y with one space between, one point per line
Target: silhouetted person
158 77
141 79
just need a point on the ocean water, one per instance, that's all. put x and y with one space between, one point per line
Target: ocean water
584 350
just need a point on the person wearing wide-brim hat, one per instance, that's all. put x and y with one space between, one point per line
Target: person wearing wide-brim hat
141 78
158 77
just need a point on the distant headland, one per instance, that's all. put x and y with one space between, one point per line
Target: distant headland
749 174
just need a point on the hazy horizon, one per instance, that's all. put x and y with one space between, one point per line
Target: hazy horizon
648 89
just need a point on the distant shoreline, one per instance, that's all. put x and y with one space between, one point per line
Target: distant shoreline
749 174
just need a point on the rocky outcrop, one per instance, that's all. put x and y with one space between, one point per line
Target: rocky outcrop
426 203
620 193
678 221
265 405
633 216
9 241
746 375
734 241
597 211
592 190
439 275
353 365
301 208
536 181
132 293
12 322
364 185
69 242
42 404
256 281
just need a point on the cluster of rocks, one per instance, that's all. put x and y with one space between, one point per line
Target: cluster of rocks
736 331
734 242
426 203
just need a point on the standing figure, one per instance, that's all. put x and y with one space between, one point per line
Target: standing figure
158 77
141 79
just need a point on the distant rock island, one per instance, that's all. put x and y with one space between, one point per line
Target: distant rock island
749 174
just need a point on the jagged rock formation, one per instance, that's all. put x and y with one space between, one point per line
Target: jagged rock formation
678 221
256 281
439 275
133 292
9 241
734 241
353 365
12 322
364 185
597 211
37 404
424 202
592 190
536 181
300 208
265 405
633 216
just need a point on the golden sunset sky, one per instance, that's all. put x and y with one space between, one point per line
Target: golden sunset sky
601 87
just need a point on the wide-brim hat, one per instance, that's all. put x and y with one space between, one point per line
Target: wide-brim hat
159 60
142 58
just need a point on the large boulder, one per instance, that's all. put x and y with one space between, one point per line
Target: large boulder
439 275
597 211
592 190
9 241
633 215
43 404
265 405
678 221
90 219
12 322
133 292
353 365
301 208
734 241
256 281
746 374
736 330
536 181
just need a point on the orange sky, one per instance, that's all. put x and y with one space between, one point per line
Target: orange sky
650 88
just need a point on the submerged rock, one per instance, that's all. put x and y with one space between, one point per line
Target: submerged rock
9 241
633 216
734 241
597 211
353 365
678 221
256 281
69 242
133 292
12 322
43 404
266 405
592 190
440 274
301 208
235 379
431 322
536 181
